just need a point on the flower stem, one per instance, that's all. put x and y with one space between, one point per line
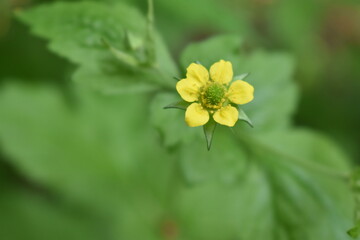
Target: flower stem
150 35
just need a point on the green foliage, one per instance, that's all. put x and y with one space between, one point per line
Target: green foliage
303 22
354 232
40 219
121 167
170 122
200 16
225 47
64 140
272 168
86 154
264 189
76 31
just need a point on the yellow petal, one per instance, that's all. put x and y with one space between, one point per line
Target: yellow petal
196 115
241 92
188 90
221 72
198 73
227 116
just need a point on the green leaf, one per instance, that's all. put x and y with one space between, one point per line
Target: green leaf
97 153
271 178
115 78
86 152
208 52
209 130
283 198
132 42
178 105
225 162
244 117
39 218
276 94
122 56
354 232
75 31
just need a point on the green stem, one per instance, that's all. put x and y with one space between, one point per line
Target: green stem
150 38
150 11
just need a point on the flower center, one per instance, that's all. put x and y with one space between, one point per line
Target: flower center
213 95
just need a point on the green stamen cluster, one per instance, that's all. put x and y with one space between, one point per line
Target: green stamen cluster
213 95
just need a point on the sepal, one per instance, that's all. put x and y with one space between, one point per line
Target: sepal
178 105
244 117
209 129
241 76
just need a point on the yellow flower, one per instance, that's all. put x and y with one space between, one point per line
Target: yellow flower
212 95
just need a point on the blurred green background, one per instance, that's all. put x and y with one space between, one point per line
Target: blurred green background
323 36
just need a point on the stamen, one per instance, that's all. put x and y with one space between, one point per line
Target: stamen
212 96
